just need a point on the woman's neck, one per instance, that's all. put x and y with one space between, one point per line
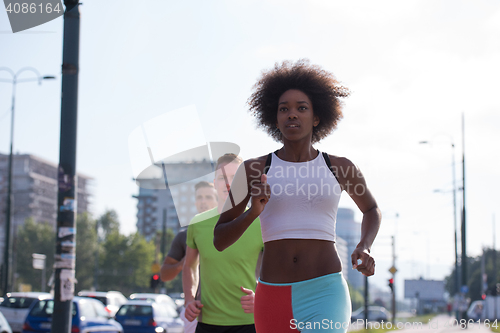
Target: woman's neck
297 151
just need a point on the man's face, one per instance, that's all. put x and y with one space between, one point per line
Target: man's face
222 183
205 199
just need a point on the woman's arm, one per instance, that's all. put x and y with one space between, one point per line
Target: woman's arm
353 182
234 220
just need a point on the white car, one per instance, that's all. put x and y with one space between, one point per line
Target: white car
16 305
4 325
158 298
112 300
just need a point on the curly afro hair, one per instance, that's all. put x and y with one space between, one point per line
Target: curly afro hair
320 86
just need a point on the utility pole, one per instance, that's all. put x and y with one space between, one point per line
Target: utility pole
463 229
164 234
494 259
464 246
393 277
64 261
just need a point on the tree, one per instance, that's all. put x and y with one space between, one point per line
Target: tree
34 238
125 262
108 223
474 277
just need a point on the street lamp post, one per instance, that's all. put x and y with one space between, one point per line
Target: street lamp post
454 191
14 81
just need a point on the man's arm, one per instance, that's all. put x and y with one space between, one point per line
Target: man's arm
174 260
190 277
170 268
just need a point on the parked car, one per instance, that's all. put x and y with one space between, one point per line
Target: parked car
147 316
89 315
178 299
112 300
158 298
4 325
375 313
15 307
475 311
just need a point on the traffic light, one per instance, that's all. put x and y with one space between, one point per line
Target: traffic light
155 281
391 284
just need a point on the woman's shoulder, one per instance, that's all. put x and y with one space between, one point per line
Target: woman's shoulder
340 161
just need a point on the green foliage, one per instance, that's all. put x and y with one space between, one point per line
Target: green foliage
125 263
168 243
175 285
33 238
474 278
108 223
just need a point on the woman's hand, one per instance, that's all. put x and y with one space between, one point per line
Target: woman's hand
367 265
260 193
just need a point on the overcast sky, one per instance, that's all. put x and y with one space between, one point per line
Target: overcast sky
414 67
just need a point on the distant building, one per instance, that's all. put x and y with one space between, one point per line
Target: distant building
154 198
350 230
34 192
428 294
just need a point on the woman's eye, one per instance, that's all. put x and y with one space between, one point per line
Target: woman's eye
282 109
302 108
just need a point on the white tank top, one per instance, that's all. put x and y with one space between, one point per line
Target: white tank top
304 200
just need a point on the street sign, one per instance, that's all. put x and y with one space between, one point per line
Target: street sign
38 261
464 289
155 268
393 270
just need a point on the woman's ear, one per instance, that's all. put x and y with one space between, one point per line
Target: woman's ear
315 121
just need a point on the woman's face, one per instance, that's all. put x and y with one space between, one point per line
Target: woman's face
295 117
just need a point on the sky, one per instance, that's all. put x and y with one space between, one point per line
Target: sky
414 69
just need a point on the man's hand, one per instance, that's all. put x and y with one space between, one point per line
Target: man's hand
247 300
260 192
193 310
367 265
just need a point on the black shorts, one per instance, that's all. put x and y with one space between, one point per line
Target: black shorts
207 328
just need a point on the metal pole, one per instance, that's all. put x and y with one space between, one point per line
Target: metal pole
64 261
44 271
394 284
463 229
8 214
164 234
494 260
8 210
457 282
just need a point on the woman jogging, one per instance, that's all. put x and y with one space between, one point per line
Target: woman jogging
295 191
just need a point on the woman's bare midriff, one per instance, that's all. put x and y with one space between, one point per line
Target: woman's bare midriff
293 260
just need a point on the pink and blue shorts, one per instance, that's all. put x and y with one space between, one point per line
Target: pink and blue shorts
321 304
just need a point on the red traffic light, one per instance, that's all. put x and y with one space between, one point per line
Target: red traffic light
156 277
483 297
391 280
